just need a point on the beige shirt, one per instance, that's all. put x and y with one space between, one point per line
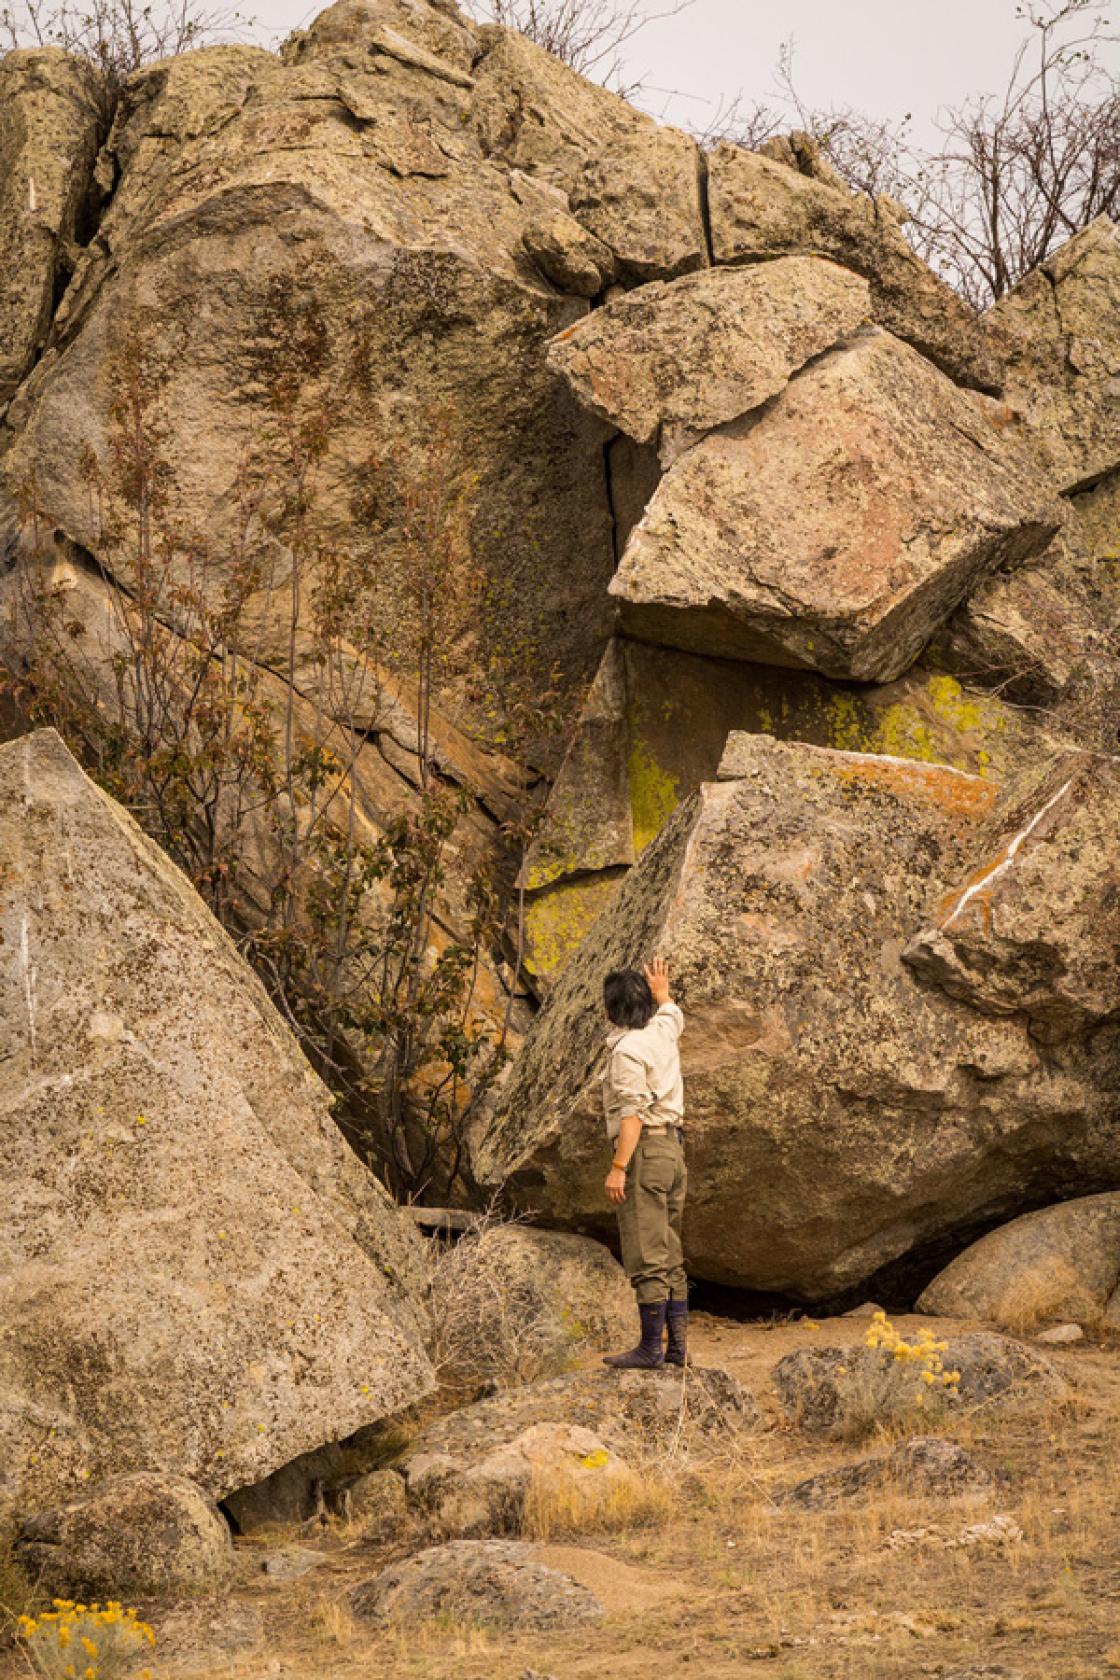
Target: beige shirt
643 1074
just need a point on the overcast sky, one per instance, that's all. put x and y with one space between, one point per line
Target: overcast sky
886 57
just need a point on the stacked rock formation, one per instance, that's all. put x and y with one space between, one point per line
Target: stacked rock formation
738 460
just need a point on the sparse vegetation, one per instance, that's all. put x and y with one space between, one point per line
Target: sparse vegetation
904 1384
589 35
89 1641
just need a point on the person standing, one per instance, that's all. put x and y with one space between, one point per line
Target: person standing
643 1097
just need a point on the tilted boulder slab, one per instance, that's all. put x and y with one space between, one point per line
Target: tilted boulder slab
49 134
654 726
1060 333
762 208
196 1272
1059 1264
667 363
1033 926
837 529
841 1111
641 195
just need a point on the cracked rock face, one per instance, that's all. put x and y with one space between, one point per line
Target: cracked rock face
188 1244
667 363
49 132
842 1111
837 529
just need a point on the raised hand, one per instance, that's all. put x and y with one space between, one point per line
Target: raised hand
657 975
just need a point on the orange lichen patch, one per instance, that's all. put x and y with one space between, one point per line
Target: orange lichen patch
936 785
950 907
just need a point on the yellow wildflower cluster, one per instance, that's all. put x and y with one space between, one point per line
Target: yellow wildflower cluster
85 1641
925 1352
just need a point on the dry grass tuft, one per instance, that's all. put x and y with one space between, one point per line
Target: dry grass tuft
558 1507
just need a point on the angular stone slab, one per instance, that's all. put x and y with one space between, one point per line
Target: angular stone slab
667 363
1060 335
196 1272
842 1112
837 529
1033 926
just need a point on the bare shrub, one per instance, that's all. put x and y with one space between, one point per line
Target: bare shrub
1017 173
492 1330
116 36
589 35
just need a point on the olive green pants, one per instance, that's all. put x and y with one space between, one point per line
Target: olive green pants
649 1220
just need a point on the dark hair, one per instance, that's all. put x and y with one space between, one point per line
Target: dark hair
628 998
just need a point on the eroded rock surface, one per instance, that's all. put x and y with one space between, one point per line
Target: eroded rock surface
1060 1263
1033 926
1061 333
817 1062
148 1534
488 1582
195 1270
926 1465
763 207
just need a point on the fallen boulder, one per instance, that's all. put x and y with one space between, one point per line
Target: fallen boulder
512 1304
878 1112
1059 1264
839 528
485 1582
925 1467
587 1433
491 1493
148 1534
667 363
196 1272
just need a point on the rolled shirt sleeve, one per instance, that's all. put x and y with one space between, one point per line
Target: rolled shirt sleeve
627 1089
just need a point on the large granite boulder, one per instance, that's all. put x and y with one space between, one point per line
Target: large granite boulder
1032 928
667 363
842 1111
196 1273
492 1583
1060 336
837 529
762 206
50 119
1059 1265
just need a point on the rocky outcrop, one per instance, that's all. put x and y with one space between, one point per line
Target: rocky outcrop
1061 1263
880 1113
1033 926
668 363
50 121
495 1583
335 215
836 530
148 1534
762 207
195 1270
1060 332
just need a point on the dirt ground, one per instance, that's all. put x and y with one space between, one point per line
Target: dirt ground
728 1582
